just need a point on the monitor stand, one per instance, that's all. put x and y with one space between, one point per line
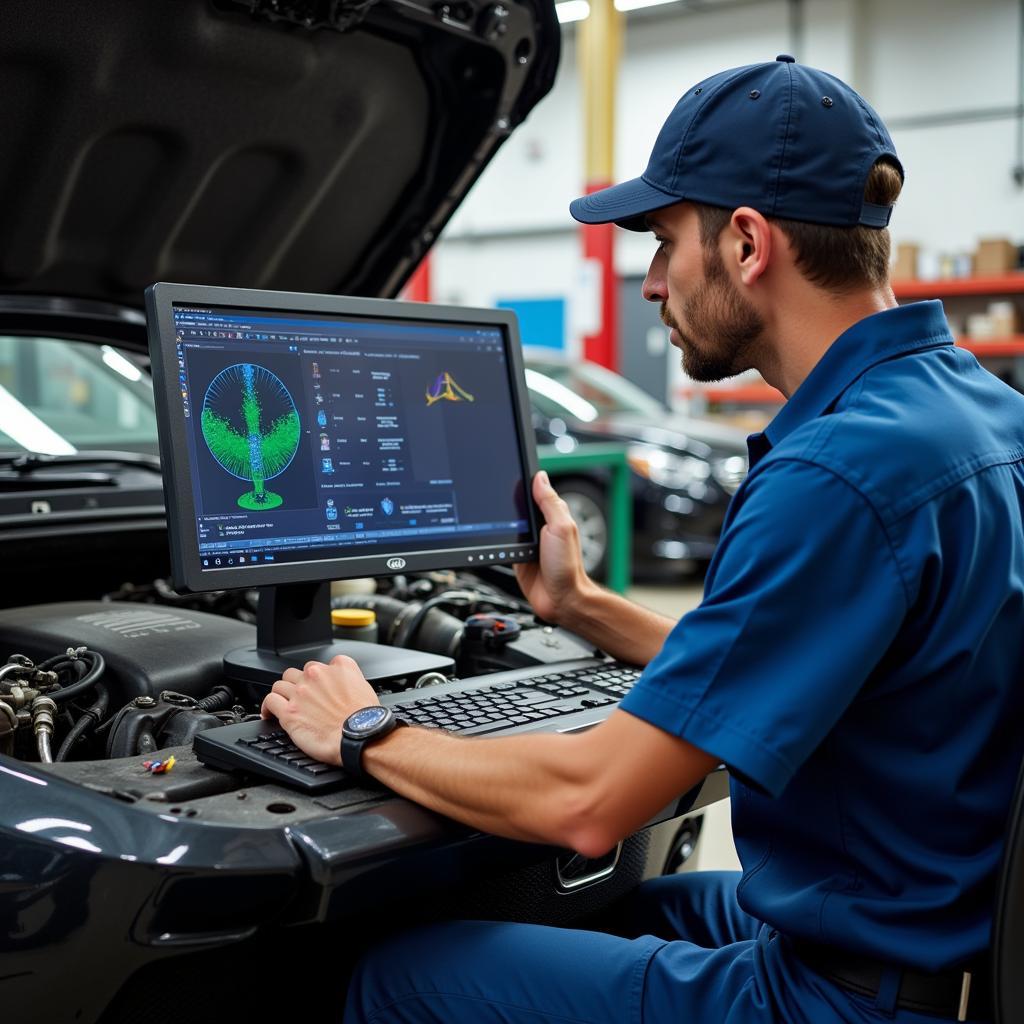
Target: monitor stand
293 626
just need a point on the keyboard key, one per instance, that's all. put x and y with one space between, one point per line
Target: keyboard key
533 698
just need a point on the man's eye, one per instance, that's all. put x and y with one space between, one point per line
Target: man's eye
662 243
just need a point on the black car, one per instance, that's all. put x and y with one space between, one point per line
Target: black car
309 145
684 470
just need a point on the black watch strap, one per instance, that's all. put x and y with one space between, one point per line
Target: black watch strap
352 747
352 758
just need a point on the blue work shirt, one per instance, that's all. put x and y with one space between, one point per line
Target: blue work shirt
857 659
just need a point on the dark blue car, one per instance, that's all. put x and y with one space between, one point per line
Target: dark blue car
684 469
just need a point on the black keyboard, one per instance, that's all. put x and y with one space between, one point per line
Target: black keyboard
505 705
562 698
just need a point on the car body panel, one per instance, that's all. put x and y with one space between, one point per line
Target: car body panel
99 889
297 145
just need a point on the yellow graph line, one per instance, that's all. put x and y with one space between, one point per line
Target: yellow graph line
451 392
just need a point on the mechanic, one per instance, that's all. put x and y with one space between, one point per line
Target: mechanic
856 660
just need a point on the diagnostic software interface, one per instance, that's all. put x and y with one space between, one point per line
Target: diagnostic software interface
311 437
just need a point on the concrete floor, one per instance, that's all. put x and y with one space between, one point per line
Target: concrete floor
715 849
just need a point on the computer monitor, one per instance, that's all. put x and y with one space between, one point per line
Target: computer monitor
308 438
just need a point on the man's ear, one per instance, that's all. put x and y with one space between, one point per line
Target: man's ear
751 243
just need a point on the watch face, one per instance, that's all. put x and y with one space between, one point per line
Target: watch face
366 720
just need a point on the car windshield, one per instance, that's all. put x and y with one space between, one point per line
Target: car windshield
58 397
585 391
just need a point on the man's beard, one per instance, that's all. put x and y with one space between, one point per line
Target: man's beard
727 324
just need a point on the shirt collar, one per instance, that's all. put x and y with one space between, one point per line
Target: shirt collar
878 337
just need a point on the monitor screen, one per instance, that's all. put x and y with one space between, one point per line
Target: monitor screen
319 437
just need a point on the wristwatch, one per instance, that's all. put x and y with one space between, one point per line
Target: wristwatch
362 727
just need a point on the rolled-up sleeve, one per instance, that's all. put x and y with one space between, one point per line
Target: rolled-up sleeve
802 601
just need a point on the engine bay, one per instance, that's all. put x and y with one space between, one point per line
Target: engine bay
106 693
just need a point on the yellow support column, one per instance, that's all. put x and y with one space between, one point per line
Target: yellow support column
600 45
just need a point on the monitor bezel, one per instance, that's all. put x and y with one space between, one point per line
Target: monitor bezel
179 498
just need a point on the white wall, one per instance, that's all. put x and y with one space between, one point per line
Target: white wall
479 272
907 57
942 56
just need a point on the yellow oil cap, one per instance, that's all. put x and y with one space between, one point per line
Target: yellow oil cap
353 617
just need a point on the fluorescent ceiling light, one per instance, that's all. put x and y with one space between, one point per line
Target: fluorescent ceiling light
572 10
79 842
41 824
119 364
174 856
636 5
26 778
24 427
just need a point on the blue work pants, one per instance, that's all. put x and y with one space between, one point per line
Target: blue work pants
689 955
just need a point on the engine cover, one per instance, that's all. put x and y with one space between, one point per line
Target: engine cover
147 648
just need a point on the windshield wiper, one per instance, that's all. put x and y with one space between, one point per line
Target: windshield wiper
29 462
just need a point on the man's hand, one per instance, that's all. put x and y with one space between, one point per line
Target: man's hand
311 704
559 578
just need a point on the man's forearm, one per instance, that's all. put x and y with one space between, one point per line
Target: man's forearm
521 787
582 790
625 630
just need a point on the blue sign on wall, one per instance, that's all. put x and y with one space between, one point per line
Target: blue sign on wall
541 321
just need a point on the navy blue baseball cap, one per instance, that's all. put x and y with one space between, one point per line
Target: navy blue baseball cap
785 139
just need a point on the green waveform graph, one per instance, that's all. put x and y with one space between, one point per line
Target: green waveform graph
251 426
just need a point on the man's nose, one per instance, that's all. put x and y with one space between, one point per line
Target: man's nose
653 288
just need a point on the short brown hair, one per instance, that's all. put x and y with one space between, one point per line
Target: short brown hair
833 258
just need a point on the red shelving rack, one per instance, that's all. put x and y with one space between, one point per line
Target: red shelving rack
1001 285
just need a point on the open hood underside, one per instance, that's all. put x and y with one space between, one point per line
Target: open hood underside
314 145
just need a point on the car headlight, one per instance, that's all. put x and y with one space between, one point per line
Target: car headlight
668 469
729 472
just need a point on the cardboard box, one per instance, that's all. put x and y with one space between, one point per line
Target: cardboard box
1005 318
980 327
905 266
995 256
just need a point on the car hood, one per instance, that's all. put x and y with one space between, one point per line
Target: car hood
309 145
700 437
